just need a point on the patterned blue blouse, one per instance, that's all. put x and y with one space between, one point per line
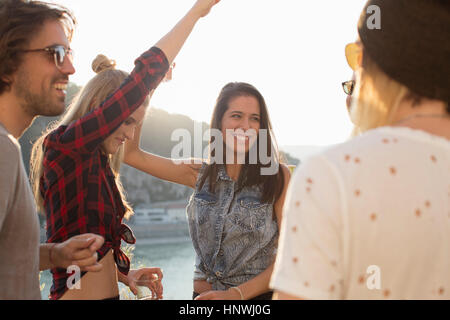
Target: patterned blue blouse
233 233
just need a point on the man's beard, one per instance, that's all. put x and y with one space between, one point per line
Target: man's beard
36 104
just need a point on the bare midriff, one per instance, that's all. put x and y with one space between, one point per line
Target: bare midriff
97 285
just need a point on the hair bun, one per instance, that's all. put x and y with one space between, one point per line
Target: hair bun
102 63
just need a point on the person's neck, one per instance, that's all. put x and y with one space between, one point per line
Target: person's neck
430 116
233 171
12 116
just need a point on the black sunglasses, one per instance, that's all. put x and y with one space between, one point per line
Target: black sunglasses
59 53
348 86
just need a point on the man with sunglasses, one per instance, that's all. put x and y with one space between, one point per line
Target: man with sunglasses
35 64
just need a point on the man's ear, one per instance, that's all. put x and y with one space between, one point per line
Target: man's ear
8 80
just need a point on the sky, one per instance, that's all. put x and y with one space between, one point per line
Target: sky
292 51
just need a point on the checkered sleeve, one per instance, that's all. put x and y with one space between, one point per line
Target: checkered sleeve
88 132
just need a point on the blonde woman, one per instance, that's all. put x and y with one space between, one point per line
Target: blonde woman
75 166
370 219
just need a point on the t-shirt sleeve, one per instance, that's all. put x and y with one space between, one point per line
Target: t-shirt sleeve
9 168
309 261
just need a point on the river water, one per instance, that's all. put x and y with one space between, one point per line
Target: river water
176 257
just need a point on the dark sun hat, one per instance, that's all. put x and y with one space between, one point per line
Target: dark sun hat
411 44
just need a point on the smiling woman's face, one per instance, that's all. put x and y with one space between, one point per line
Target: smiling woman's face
125 132
241 123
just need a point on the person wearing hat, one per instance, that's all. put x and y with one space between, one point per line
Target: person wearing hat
370 218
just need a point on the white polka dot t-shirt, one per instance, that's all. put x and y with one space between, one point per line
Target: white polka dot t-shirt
369 219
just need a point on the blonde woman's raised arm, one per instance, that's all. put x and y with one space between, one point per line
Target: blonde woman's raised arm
173 41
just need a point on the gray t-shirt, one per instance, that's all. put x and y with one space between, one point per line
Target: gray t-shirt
19 226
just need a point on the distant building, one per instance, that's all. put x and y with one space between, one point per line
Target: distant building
160 220
161 212
150 215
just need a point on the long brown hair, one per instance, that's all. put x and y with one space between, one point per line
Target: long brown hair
250 175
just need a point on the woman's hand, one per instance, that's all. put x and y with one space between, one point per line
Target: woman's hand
152 278
229 294
203 7
172 42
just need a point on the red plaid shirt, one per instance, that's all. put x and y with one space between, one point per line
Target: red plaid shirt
78 185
